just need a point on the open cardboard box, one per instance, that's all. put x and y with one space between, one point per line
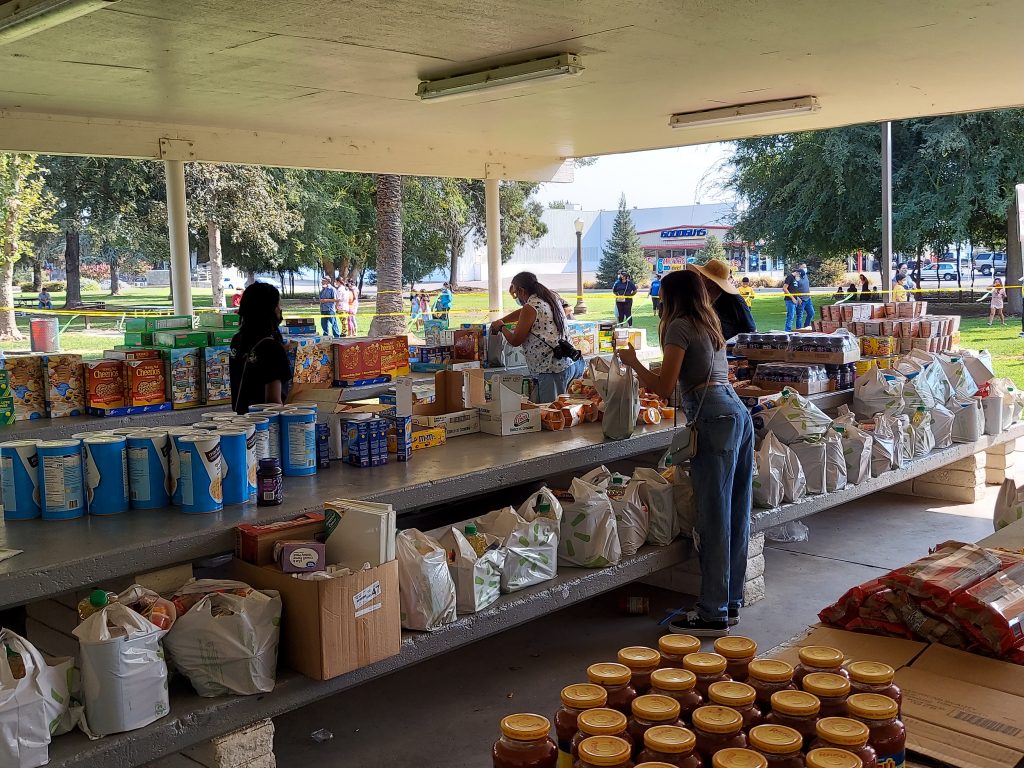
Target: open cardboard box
456 397
508 412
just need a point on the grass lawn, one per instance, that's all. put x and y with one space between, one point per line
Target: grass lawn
1004 343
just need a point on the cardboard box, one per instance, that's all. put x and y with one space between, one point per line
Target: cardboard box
802 387
348 359
334 626
255 543
971 668
216 375
220 337
751 395
180 339
428 438
219 320
857 647
7 414
826 358
27 385
144 382
507 412
64 378
183 374
160 323
456 397
394 356
138 338
104 384
125 353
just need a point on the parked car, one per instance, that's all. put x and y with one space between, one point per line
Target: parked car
941 271
230 284
990 263
140 281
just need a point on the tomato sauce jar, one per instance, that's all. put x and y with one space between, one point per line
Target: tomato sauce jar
767 677
738 758
831 690
845 733
738 652
674 648
525 743
874 677
887 735
819 658
797 710
641 662
780 746
672 746
575 699
649 711
679 684
832 758
738 696
615 679
599 722
604 752
717 728
708 667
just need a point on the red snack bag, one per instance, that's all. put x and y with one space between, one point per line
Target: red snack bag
993 610
952 568
846 608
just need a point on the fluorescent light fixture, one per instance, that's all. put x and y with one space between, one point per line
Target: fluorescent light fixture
548 68
28 18
741 113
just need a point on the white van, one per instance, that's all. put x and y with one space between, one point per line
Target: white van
990 263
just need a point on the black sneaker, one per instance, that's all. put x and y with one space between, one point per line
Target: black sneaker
692 624
734 617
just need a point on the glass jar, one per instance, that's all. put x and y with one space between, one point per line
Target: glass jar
599 722
781 747
886 733
831 690
575 699
738 758
767 677
679 684
797 710
845 733
874 677
819 658
674 648
832 758
615 679
738 696
708 667
269 483
604 752
641 662
525 743
738 652
649 711
670 745
717 728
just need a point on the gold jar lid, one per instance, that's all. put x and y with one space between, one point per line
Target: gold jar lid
872 706
770 670
735 647
678 645
833 758
704 663
655 708
604 750
670 679
731 694
639 657
525 727
608 673
670 739
821 657
795 703
734 757
826 684
844 731
601 722
717 719
584 696
870 672
775 739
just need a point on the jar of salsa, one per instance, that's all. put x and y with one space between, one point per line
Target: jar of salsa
832 758
641 662
670 745
738 652
708 667
604 752
831 690
874 677
769 676
599 722
679 684
615 679
739 758
674 648
575 699
887 736
717 728
819 658
738 696
797 710
845 733
781 747
649 711
525 743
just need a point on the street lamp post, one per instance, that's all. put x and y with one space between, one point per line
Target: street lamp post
580 308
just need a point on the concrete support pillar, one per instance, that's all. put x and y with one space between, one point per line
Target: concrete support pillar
492 205
177 228
886 266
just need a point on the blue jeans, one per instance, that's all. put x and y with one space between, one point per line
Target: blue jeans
792 310
329 324
721 473
807 312
551 385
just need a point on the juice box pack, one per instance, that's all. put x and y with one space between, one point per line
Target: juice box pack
64 377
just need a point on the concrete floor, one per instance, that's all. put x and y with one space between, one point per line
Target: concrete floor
445 713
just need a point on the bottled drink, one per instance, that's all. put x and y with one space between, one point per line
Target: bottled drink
476 540
97 600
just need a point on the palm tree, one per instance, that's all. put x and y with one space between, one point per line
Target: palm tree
390 318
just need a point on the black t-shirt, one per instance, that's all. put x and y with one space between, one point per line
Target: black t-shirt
734 315
793 284
253 366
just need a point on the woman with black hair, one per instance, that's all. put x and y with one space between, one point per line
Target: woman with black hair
260 371
540 326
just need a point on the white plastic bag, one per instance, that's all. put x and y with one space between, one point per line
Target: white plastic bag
124 675
979 365
994 409
477 579
542 504
885 454
769 465
622 405
589 537
659 496
500 523
942 426
793 418
227 643
685 504
596 376
1009 507
968 420
874 392
425 586
835 462
32 706
794 481
959 377
787 533
811 454
532 554
599 476
857 446
631 518
922 439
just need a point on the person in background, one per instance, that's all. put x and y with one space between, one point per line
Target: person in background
353 308
443 305
747 291
899 290
236 300
790 291
655 290
851 288
259 367
996 302
425 307
865 287
328 308
733 313
415 310
624 289
344 299
540 326
721 472
806 316
45 302
565 305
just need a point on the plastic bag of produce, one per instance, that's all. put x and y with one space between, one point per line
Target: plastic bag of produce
811 454
425 586
542 504
885 453
33 701
794 481
968 419
922 439
227 642
124 675
959 378
856 445
875 392
622 404
769 466
658 495
477 577
589 537
992 611
631 518
1009 507
942 426
835 462
793 418
532 554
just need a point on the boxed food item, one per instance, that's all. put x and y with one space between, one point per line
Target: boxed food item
300 556
456 396
64 377
400 437
6 411
138 338
508 412
144 383
27 385
219 320
182 372
310 358
220 337
160 323
216 376
348 359
255 543
126 353
180 339
104 384
468 344
394 356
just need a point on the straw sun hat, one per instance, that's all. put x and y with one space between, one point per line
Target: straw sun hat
717 272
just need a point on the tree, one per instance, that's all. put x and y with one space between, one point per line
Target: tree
389 319
73 181
423 245
623 252
25 208
713 249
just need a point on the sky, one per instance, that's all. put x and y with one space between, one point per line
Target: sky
661 177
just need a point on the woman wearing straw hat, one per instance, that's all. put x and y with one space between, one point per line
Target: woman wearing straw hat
733 313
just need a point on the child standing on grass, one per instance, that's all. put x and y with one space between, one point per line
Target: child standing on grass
996 306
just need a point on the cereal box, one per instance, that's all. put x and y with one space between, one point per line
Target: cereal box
64 375
216 375
144 382
219 320
371 358
310 358
181 339
394 356
28 387
348 359
6 411
104 384
182 372
138 338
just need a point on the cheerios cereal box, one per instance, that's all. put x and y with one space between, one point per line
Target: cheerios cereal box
104 384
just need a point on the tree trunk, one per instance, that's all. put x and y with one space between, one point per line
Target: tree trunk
8 326
390 318
37 275
455 246
72 262
216 263
115 280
